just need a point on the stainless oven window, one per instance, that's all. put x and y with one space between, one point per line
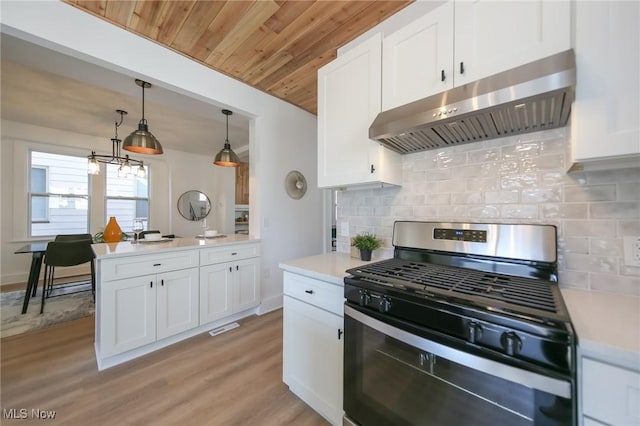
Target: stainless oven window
391 382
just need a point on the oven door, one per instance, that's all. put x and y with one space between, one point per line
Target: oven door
393 377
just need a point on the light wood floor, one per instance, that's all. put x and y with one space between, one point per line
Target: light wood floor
234 378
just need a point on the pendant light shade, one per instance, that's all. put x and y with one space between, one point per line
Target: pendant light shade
226 157
142 140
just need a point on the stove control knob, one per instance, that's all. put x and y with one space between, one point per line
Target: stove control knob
365 297
384 305
511 343
475 331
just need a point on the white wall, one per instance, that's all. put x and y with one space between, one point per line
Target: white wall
288 229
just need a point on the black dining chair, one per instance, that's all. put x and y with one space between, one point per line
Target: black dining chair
66 253
74 237
143 233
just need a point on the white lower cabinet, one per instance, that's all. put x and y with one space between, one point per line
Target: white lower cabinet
149 301
313 344
610 394
144 309
227 288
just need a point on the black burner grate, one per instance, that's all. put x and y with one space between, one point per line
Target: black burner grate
527 292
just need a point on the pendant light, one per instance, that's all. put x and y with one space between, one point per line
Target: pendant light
226 157
142 140
125 163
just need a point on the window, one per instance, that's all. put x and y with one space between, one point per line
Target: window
58 195
127 198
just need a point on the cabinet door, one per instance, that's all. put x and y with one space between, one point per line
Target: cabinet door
606 112
610 394
417 61
494 36
128 314
242 183
216 286
176 302
312 357
246 285
349 96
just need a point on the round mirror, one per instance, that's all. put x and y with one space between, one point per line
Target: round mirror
194 205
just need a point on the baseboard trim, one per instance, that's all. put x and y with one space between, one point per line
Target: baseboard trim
270 304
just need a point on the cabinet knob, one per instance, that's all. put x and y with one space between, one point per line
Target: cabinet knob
461 67
442 77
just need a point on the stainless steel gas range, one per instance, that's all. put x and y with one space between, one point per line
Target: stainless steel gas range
464 326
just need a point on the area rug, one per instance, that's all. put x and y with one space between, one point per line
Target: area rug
59 309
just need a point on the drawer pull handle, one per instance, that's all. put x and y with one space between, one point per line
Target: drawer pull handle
309 291
230 269
340 333
157 264
233 254
162 283
237 268
151 284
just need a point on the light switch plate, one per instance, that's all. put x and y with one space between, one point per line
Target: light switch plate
632 251
344 229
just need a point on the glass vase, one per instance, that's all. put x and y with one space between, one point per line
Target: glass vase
112 232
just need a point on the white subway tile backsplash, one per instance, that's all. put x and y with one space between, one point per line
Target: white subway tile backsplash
589 228
628 192
620 210
519 179
590 193
565 211
501 197
574 245
519 211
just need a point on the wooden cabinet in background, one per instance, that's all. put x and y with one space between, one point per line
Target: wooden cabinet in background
242 183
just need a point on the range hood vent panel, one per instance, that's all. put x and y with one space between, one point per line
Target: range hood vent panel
530 98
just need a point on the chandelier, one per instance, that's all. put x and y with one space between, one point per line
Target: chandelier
126 164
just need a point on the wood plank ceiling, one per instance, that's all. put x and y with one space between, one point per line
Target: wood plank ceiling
275 46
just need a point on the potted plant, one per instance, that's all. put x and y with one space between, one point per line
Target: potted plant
366 243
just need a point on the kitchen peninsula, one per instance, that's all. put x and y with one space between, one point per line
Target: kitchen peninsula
152 294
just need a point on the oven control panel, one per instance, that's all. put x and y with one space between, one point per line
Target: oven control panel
471 235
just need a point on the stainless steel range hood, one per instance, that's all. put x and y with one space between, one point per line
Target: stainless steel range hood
532 97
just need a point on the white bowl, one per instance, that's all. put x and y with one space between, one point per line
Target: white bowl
210 233
153 237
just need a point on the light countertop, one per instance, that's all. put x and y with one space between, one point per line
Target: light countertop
127 248
328 267
608 325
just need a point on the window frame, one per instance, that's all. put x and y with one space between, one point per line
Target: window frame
30 222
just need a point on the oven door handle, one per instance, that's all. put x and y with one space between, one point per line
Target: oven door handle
526 378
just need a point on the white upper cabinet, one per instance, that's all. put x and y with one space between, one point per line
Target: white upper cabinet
418 59
463 41
349 98
606 112
494 36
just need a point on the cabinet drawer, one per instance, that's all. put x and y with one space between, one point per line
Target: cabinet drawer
211 256
135 266
319 293
610 393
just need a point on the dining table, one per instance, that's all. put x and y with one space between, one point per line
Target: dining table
37 250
